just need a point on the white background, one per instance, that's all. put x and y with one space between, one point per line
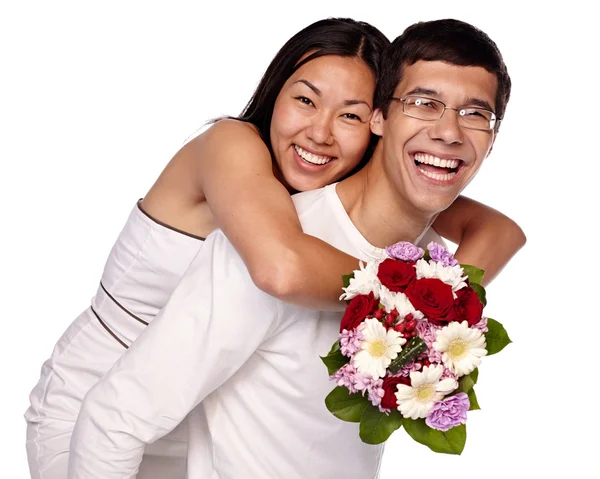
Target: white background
95 98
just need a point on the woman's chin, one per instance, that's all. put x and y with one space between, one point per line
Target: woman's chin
305 184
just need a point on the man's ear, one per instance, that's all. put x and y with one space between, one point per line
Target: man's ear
377 122
492 145
495 133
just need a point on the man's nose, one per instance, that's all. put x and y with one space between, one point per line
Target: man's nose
447 128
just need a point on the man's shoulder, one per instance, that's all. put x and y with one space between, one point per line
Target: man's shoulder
307 200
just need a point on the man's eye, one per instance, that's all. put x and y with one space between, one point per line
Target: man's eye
472 113
425 103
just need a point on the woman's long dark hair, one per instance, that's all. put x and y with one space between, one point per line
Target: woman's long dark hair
334 36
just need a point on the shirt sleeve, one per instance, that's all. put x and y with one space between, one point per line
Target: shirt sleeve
214 321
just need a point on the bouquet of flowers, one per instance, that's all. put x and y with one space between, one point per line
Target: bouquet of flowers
411 339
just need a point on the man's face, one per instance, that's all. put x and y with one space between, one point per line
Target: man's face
429 163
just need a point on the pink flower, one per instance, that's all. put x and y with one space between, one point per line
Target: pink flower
482 325
426 331
350 341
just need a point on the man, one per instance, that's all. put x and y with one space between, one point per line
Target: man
247 364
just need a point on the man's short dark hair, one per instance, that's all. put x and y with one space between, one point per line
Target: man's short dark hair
450 41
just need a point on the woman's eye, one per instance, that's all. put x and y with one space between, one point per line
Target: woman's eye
303 99
351 116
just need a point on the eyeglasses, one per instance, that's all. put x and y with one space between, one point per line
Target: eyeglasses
429 109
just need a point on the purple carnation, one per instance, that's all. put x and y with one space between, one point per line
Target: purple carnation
441 255
449 412
405 251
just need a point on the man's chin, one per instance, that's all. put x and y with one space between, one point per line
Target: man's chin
431 206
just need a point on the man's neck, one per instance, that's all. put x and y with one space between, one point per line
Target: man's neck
381 214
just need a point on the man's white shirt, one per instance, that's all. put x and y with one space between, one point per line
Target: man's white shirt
245 362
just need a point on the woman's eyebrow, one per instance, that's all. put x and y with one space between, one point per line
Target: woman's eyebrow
309 85
319 93
357 102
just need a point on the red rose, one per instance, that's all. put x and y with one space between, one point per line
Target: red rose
358 309
467 306
396 275
389 400
433 298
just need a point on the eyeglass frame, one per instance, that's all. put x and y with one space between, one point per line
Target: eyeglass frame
497 120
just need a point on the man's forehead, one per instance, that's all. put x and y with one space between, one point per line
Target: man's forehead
455 84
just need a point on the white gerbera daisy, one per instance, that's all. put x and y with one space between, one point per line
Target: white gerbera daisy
377 349
452 275
398 301
365 281
462 347
416 401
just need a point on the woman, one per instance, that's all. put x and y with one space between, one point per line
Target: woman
307 125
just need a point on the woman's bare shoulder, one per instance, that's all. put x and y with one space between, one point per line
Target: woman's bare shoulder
230 133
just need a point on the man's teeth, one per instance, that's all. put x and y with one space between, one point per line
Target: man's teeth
310 158
435 161
437 176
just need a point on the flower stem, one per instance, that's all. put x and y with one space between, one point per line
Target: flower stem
414 347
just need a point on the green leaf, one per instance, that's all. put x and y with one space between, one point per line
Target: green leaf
448 442
496 338
346 406
465 384
480 290
346 279
334 359
376 426
475 274
473 400
426 256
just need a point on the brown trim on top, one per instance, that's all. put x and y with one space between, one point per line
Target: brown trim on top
165 225
109 330
122 307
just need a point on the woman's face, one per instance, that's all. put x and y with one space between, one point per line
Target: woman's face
320 125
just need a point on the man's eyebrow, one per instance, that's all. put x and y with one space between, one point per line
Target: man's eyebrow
469 101
479 102
318 92
422 91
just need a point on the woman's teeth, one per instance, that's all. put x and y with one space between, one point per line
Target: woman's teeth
310 158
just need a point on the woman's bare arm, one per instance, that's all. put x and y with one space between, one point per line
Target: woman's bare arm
486 238
256 213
